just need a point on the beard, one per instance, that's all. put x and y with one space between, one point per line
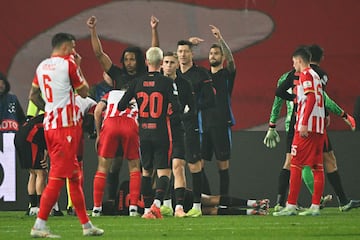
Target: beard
215 63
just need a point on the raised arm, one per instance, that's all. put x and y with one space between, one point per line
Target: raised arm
230 63
102 57
154 33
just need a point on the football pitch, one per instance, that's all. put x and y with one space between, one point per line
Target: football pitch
331 224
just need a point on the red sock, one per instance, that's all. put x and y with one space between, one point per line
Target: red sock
49 196
81 164
134 187
78 199
295 184
99 186
319 180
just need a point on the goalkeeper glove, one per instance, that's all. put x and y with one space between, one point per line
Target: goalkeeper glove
271 138
349 121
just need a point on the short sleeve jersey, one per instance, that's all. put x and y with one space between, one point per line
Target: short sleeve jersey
309 81
112 99
57 78
202 86
154 94
221 114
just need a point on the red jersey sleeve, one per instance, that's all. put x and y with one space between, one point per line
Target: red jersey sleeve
307 82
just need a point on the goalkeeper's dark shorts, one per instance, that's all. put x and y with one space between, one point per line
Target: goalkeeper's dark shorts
216 140
289 139
327 144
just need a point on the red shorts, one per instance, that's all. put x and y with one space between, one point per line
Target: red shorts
63 145
307 151
119 130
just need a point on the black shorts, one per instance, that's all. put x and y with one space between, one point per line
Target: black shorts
30 156
289 139
327 145
216 140
155 153
178 142
192 146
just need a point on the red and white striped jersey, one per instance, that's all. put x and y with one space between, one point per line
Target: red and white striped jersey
112 100
57 78
84 106
309 81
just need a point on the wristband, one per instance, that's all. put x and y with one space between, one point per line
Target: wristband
272 125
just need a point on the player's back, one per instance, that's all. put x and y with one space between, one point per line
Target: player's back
53 78
153 93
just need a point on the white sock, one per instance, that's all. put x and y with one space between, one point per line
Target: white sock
291 206
315 207
197 206
251 203
157 203
146 210
168 203
97 208
133 208
39 223
178 206
87 225
249 211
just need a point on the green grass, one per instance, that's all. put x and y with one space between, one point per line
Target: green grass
331 224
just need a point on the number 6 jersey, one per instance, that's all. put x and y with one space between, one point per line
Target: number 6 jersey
57 77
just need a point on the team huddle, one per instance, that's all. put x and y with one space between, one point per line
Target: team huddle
162 113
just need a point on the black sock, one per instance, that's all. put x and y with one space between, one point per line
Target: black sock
179 196
38 198
169 190
196 181
162 184
224 181
205 186
113 182
33 200
232 201
335 181
231 211
146 191
284 178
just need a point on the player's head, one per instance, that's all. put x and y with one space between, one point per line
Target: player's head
63 43
317 53
154 56
170 63
133 60
4 84
216 55
301 58
184 52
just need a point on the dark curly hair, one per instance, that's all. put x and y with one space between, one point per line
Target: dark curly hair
139 56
